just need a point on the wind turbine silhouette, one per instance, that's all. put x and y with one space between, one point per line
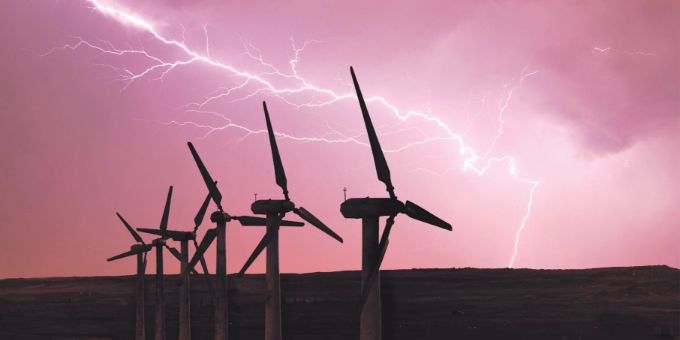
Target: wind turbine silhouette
140 248
220 218
184 294
369 210
275 211
160 243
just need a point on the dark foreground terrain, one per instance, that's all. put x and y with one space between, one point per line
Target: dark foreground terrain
608 303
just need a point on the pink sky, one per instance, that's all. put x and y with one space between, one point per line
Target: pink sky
583 96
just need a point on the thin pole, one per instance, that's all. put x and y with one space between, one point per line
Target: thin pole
272 309
371 316
221 297
184 302
139 322
160 303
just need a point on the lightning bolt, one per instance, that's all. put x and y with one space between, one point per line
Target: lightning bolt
475 162
605 50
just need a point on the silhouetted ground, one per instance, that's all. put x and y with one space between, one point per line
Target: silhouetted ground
607 303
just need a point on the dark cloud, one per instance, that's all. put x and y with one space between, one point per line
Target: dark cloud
614 77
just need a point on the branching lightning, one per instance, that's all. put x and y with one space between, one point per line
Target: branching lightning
478 163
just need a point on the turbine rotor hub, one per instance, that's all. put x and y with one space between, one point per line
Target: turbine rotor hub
220 216
137 246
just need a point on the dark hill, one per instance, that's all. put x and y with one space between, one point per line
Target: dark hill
606 303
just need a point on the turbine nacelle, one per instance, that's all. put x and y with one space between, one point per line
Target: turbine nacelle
371 207
138 247
269 206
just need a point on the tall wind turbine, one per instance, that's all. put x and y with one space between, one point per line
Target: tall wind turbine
140 248
275 210
220 218
369 210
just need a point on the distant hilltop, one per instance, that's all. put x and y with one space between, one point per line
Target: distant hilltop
600 303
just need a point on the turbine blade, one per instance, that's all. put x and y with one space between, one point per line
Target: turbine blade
375 271
260 247
200 249
201 212
416 212
145 248
251 220
204 265
378 157
286 223
278 166
209 182
122 255
174 252
166 211
311 219
178 256
166 234
130 229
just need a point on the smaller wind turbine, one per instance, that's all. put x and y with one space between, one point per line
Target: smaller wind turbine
369 211
275 211
220 218
160 243
184 297
140 248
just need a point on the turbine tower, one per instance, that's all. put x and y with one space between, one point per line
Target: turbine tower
140 248
369 210
220 218
275 210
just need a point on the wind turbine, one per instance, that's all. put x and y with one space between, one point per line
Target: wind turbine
369 210
159 243
220 218
184 297
275 211
140 248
